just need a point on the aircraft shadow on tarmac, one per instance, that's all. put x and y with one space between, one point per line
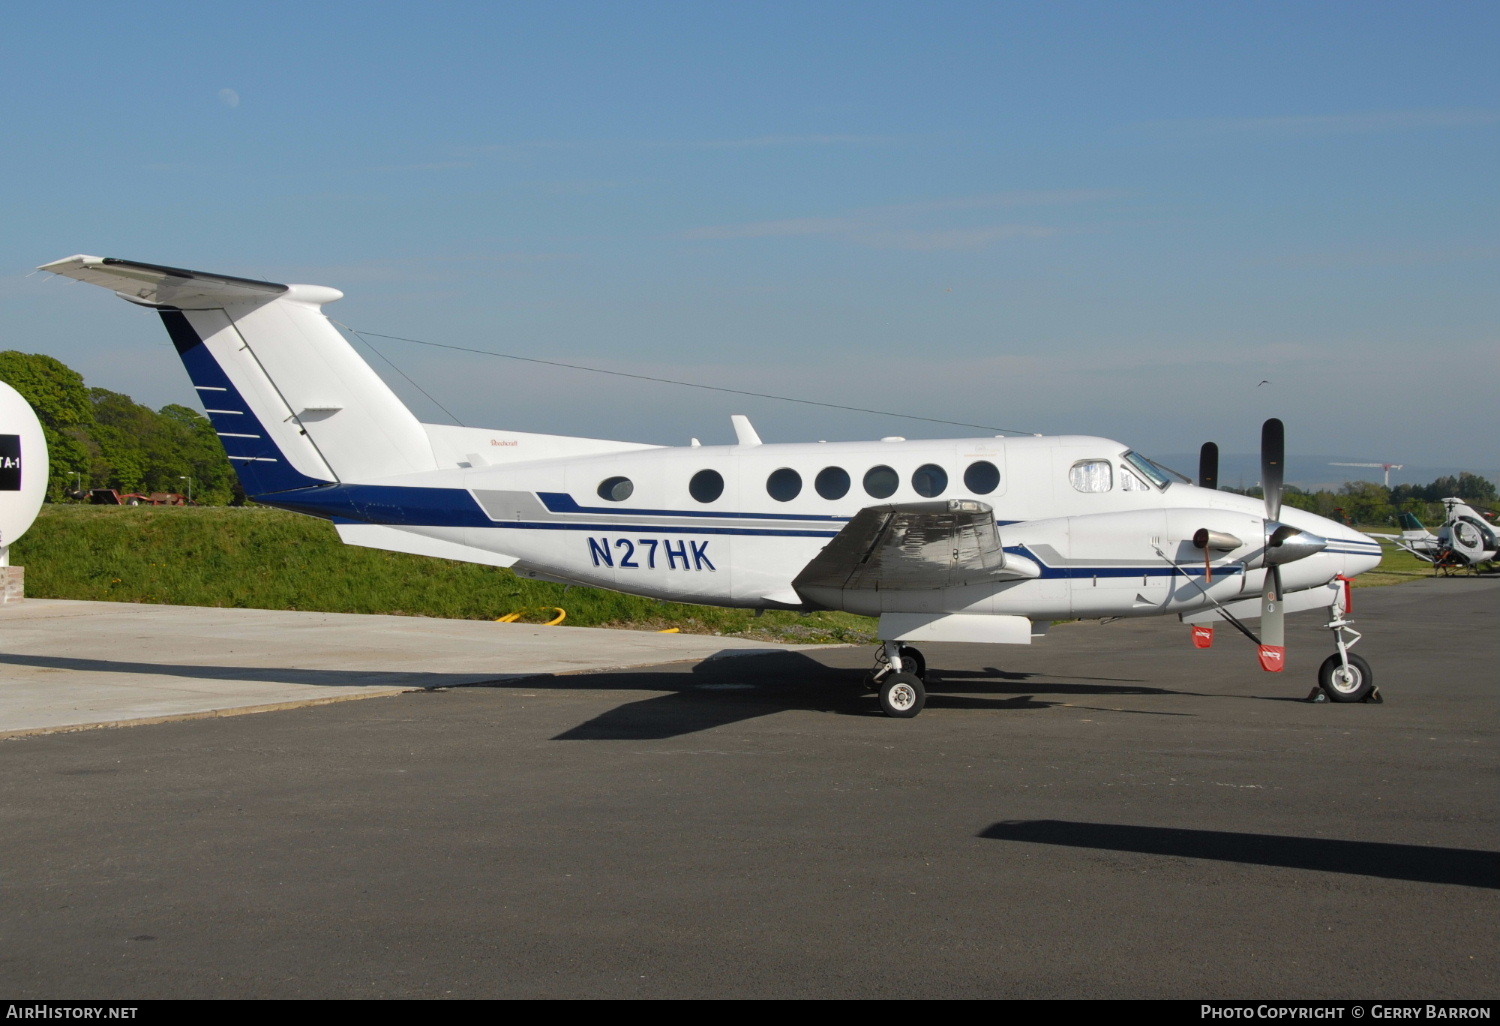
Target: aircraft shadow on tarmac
718 692
263 674
1466 867
712 693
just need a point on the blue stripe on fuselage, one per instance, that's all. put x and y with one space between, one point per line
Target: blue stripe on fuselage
1074 572
562 502
405 506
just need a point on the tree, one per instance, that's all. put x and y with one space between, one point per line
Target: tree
1366 502
1474 488
111 441
214 480
60 399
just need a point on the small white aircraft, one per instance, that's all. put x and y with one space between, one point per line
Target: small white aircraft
1467 539
970 540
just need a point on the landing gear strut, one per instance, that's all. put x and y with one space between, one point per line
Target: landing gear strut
898 677
1344 677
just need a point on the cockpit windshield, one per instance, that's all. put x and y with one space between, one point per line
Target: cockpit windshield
1157 474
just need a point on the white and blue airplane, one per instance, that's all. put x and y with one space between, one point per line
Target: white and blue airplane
971 540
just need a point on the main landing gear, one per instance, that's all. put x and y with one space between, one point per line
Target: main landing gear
898 677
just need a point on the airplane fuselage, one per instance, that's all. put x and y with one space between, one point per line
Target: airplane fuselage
1107 533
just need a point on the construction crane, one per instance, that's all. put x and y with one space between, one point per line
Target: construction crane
1387 467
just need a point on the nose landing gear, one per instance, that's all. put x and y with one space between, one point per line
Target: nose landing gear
1344 677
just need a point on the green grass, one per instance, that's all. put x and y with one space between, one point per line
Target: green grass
262 558
1396 566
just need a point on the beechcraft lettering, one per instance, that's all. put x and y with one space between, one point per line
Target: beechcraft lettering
983 540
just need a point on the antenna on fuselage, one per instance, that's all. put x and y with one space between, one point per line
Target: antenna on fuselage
744 432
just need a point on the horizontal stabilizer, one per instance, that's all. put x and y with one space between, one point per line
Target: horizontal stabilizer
156 285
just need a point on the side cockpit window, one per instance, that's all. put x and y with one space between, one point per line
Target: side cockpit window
1091 476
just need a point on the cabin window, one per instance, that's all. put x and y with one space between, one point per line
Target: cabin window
616 489
832 482
930 480
1130 483
784 485
706 485
982 477
1091 476
881 482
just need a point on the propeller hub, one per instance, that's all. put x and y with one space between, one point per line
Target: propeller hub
1287 544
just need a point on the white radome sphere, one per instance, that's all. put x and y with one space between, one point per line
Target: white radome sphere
23 465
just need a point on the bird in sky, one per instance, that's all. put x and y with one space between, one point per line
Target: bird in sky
1265 381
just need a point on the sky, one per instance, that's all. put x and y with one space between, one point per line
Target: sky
1071 217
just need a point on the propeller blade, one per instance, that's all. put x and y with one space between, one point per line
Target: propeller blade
1208 466
1272 465
1272 613
1272 623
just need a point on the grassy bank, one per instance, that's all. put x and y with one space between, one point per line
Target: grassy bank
262 558
1396 566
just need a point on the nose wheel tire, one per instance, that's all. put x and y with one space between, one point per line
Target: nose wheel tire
902 695
1341 685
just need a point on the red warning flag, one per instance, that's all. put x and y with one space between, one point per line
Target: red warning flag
1203 636
1273 658
1348 593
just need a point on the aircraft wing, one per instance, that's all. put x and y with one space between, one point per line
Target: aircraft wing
915 546
164 286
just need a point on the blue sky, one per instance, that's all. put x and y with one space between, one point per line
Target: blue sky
1105 218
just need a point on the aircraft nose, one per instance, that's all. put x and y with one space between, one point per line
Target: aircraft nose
1360 553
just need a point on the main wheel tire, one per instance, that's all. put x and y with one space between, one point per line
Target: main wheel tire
913 662
1353 685
902 695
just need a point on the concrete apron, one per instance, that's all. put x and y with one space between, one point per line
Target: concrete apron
74 665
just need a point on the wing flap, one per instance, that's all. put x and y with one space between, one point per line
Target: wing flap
915 546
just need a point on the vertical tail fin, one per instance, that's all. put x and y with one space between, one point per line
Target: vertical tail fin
1411 525
291 400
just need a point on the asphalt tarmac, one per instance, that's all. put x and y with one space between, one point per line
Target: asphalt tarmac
1107 814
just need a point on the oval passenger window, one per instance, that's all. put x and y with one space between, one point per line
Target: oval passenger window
832 482
784 485
881 482
706 485
616 489
930 480
982 477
